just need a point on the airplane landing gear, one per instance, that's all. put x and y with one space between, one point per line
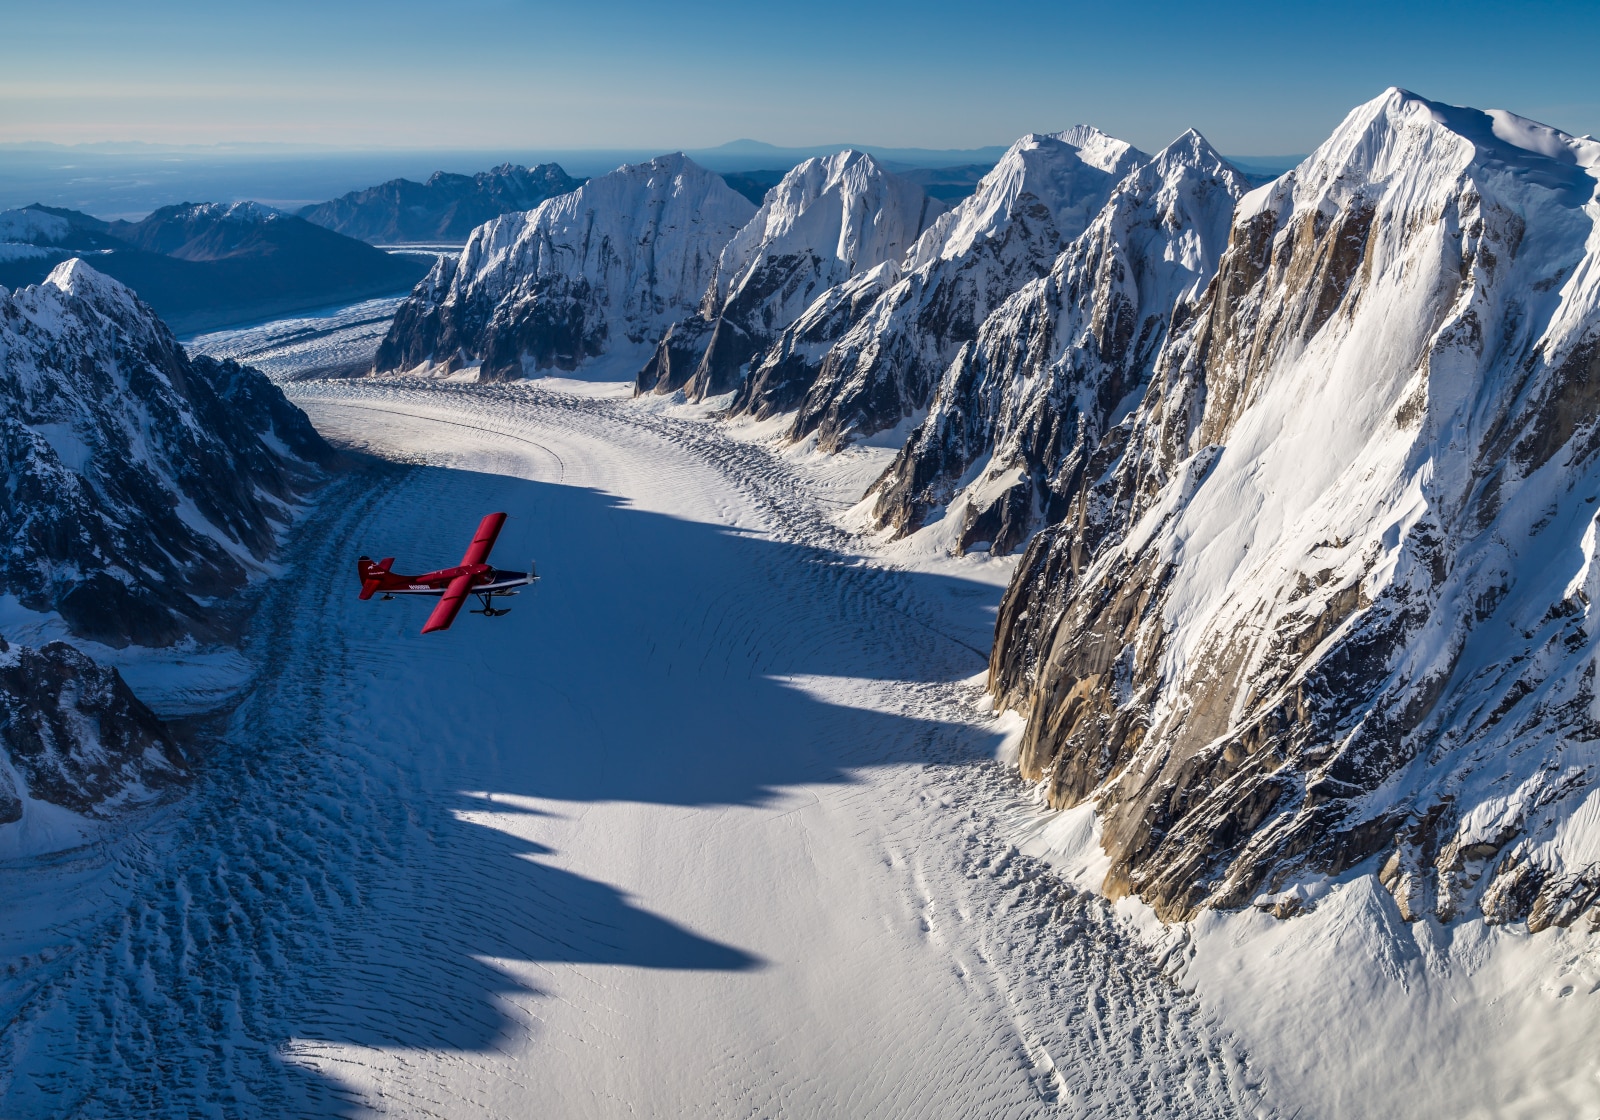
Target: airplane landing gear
488 610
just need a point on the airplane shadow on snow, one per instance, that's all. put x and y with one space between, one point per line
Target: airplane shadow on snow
645 667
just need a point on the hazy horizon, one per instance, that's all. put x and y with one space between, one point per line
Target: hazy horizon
129 182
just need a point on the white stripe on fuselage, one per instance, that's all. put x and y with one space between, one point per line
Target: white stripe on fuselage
424 589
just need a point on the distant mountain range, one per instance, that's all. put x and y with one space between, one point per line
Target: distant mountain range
203 265
131 180
445 208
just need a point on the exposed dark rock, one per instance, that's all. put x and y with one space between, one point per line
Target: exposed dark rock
781 377
75 736
139 481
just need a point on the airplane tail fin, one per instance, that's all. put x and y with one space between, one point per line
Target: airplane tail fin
372 573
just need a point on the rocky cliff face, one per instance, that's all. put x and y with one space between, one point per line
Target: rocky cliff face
139 482
828 220
1065 357
1327 596
76 737
1040 196
445 208
613 263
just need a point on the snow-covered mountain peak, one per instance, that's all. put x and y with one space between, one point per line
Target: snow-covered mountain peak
110 298
1494 132
1190 150
641 200
1330 597
1099 149
615 261
139 480
74 277
1064 357
1401 138
1070 179
660 171
829 220
243 213
845 206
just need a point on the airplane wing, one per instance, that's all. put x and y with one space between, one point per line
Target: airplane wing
454 595
483 540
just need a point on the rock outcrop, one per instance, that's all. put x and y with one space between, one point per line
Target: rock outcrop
140 482
75 737
1025 406
1327 597
612 264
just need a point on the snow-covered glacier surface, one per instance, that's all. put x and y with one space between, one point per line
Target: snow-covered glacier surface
710 825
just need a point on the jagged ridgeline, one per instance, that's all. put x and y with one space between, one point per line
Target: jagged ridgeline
1325 598
139 480
881 371
1055 364
1307 476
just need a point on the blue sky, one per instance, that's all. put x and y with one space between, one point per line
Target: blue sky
1257 78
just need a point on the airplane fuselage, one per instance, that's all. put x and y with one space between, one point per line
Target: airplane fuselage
485 579
434 583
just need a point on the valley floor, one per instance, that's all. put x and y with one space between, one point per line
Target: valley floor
710 825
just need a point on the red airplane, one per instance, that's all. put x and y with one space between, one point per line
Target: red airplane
473 576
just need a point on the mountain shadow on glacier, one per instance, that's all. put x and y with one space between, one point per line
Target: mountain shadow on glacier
331 843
